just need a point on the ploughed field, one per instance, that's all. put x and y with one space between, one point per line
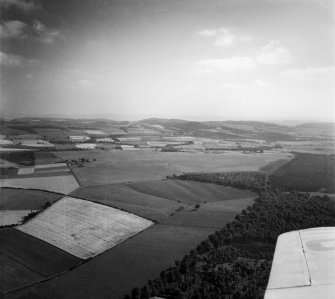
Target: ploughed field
82 228
115 166
182 217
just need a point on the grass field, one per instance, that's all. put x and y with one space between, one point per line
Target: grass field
61 183
190 192
83 228
122 197
20 199
25 259
114 166
209 215
116 271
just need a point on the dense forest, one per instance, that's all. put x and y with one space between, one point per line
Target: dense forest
306 172
235 262
23 157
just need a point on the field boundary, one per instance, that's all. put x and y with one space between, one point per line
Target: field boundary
76 176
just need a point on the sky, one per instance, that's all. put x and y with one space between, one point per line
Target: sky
213 59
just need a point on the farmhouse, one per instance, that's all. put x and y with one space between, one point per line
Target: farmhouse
79 138
126 147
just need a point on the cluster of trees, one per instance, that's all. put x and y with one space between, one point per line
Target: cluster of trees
19 157
235 262
253 180
306 172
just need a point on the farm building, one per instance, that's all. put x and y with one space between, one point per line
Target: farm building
37 143
86 146
105 140
128 147
79 138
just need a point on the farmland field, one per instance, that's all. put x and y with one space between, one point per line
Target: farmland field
190 192
20 199
83 228
8 217
61 183
116 271
116 166
122 197
25 259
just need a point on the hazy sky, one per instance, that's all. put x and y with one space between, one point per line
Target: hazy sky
237 59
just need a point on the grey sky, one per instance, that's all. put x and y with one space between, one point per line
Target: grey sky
251 59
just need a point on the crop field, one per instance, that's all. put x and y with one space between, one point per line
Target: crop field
125 198
131 263
57 183
20 199
83 228
25 259
8 217
114 166
190 192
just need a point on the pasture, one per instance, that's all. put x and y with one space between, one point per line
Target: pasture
131 263
56 183
20 199
190 192
114 166
25 259
83 228
122 197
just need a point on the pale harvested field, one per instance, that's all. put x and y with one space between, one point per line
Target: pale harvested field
83 228
8 217
115 166
61 184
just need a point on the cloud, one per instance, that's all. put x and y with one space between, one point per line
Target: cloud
11 60
12 29
44 34
25 5
223 37
310 74
231 64
38 31
273 53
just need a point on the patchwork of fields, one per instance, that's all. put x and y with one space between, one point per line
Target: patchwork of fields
122 197
83 228
50 177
